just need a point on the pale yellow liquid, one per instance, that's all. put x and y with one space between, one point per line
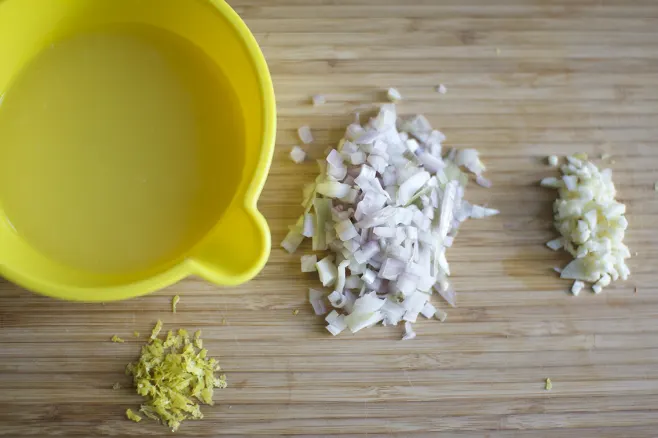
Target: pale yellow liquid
119 149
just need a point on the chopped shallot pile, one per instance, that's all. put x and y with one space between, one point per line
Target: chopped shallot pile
387 205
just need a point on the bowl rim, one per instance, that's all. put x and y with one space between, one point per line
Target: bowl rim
188 266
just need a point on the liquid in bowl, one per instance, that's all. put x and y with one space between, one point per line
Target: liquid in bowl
119 149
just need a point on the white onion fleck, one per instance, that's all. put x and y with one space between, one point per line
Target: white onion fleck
305 134
297 154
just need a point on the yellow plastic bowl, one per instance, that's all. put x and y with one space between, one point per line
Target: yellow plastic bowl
135 139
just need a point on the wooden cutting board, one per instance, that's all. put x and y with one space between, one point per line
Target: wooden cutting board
525 79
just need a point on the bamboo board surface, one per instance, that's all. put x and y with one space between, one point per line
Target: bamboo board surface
525 79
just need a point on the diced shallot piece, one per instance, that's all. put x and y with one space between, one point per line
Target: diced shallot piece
308 263
305 134
345 230
327 271
316 298
366 252
297 154
409 332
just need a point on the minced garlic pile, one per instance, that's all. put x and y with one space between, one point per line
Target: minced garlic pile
175 375
592 224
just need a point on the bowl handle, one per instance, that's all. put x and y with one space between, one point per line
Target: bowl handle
236 251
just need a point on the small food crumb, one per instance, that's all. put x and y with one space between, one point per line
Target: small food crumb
318 99
133 416
549 384
553 160
295 312
223 321
116 386
393 95
605 156
174 303
117 339
297 154
441 89
136 334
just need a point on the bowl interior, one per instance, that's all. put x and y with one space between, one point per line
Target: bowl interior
127 129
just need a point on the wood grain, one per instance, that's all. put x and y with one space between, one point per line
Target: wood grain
525 78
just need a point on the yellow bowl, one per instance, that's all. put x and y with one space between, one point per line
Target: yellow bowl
135 138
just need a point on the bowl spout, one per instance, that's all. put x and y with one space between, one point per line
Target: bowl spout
236 250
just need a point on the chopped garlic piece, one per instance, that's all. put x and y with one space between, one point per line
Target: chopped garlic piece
318 100
117 339
297 154
442 89
393 95
551 182
553 160
174 303
555 244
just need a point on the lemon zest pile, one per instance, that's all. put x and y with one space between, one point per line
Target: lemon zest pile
117 339
175 376
174 303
